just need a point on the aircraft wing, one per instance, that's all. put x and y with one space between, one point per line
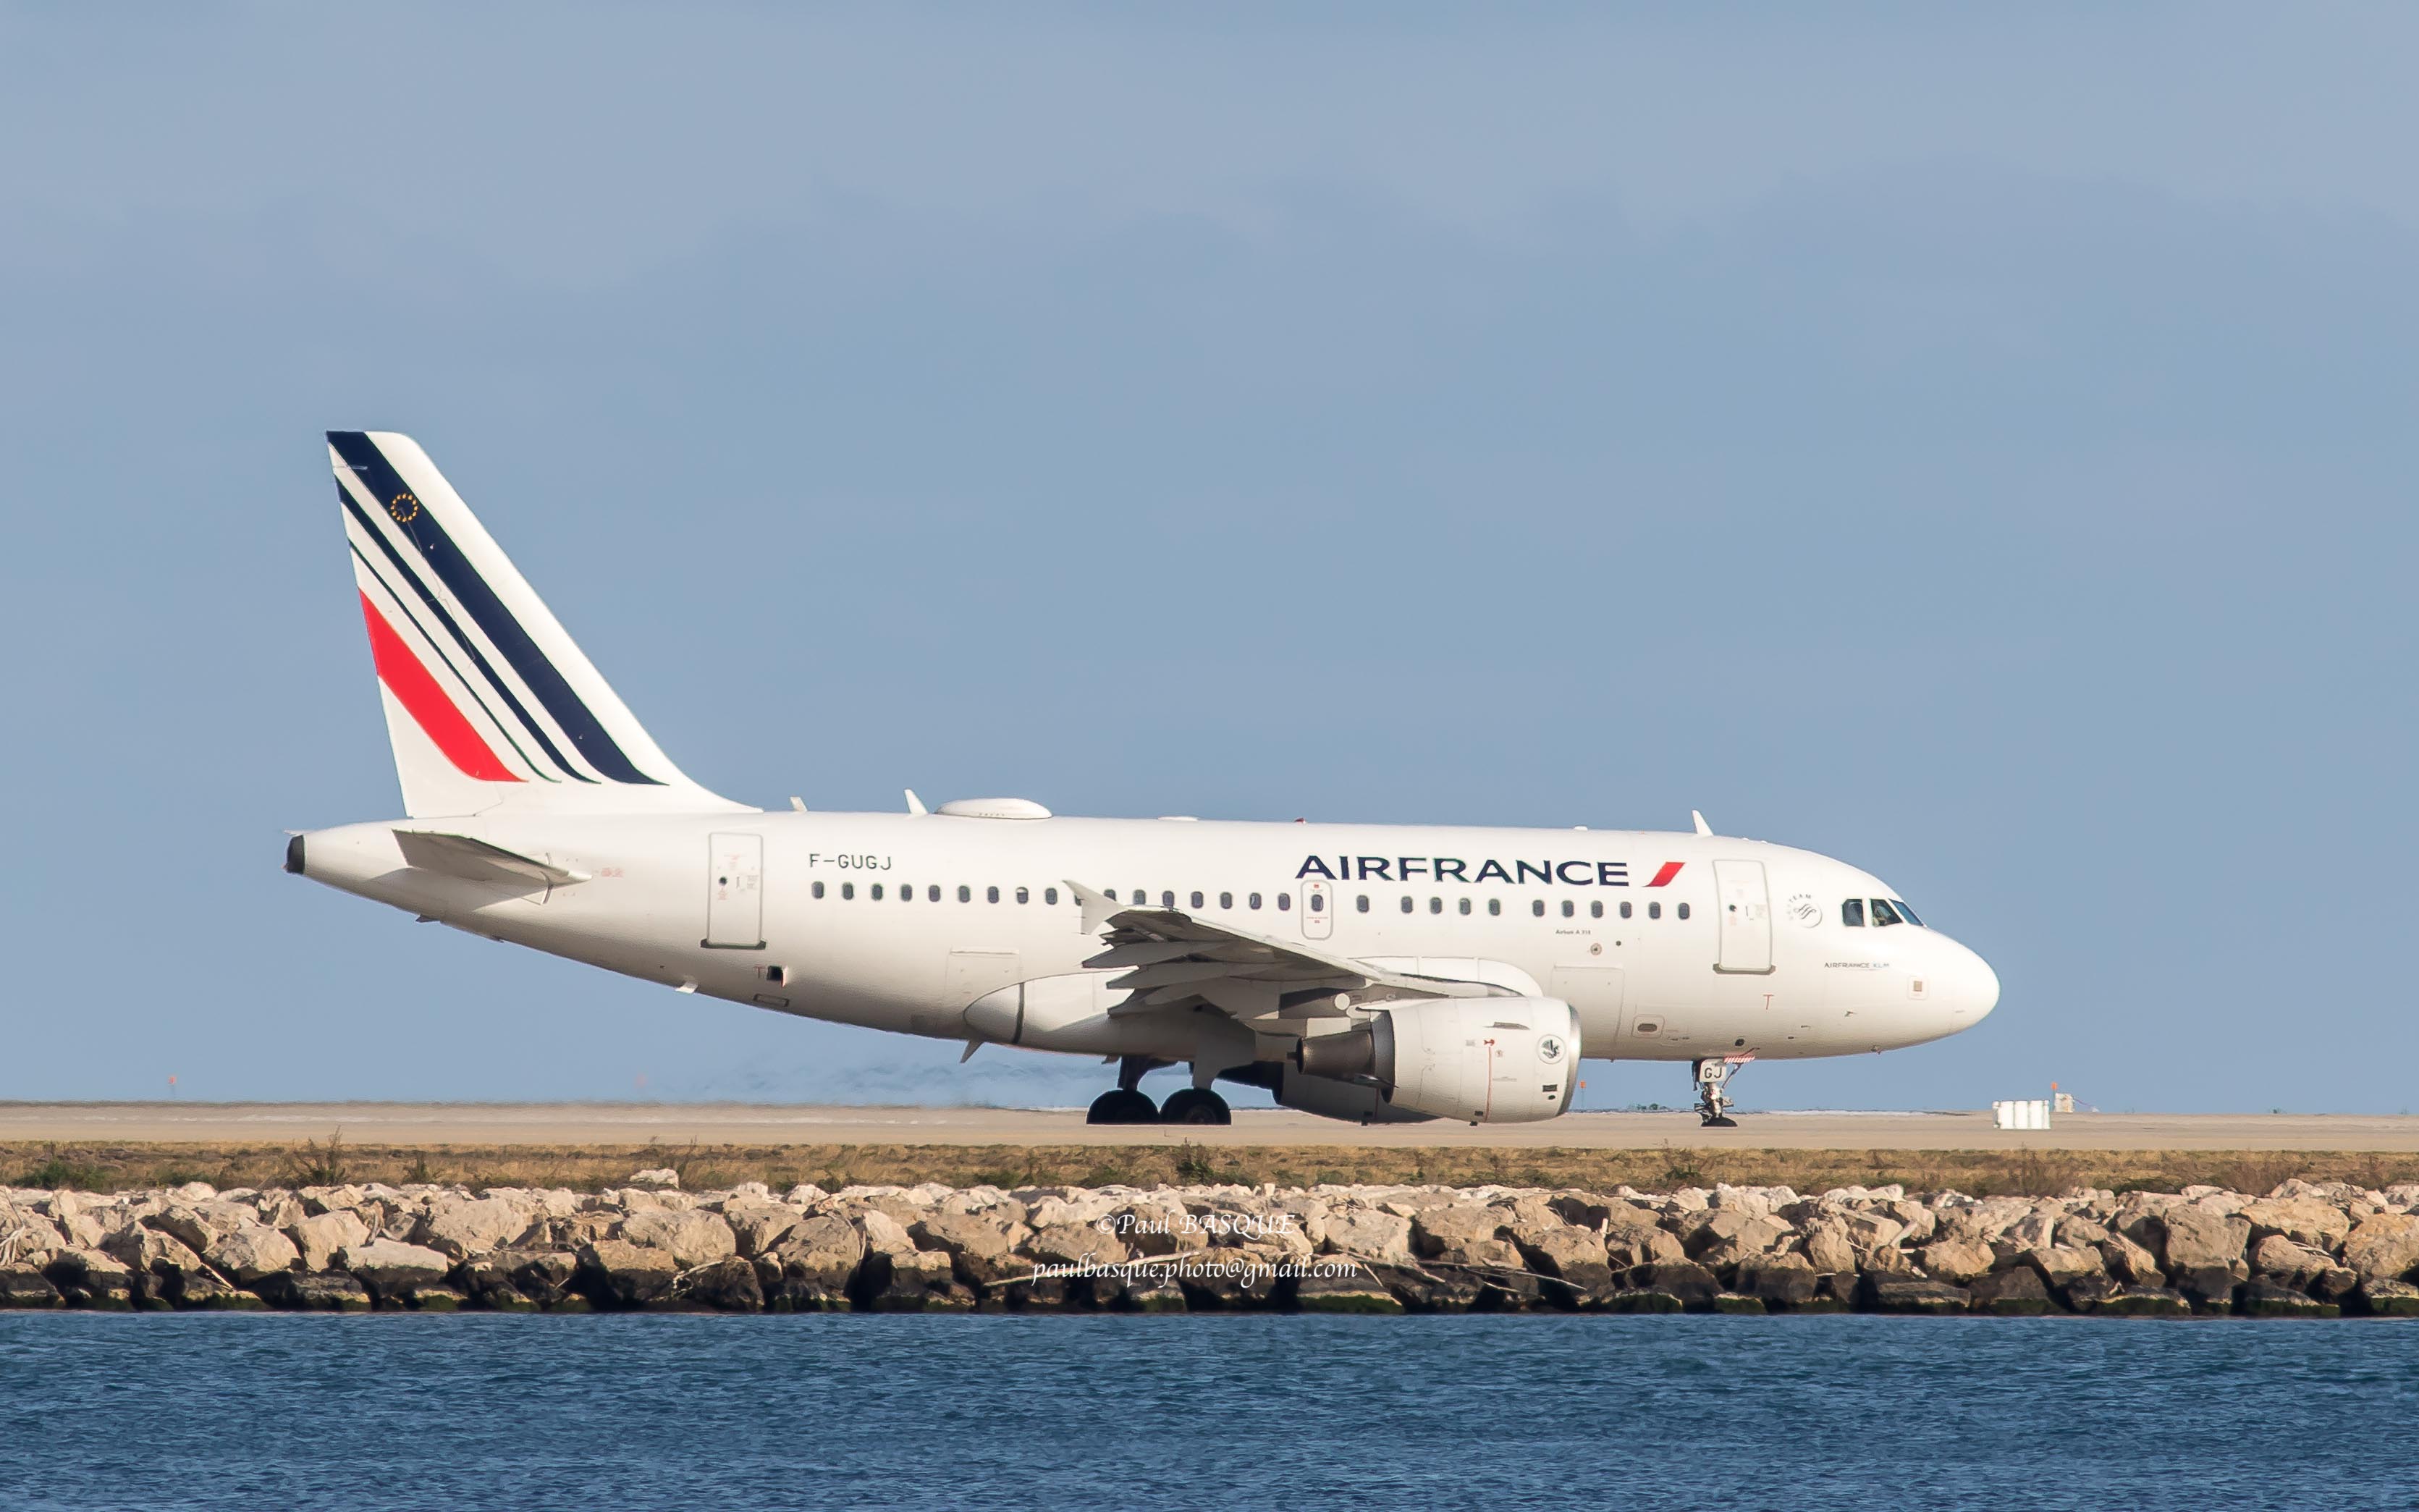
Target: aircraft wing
1177 959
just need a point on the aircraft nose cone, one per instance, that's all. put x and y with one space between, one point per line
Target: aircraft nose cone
1973 986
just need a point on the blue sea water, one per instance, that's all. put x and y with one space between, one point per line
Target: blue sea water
635 1411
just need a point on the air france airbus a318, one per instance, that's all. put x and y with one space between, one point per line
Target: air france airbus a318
1366 972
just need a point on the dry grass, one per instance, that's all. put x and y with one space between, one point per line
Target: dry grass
118 1167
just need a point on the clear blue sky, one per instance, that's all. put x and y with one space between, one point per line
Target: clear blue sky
1978 446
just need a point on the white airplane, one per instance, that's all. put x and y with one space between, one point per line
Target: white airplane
1366 972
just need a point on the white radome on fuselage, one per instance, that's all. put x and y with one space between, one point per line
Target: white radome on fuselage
541 812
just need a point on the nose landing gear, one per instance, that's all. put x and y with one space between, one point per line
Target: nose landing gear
1713 1104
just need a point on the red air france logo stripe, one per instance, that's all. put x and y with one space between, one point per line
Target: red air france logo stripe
1669 871
426 703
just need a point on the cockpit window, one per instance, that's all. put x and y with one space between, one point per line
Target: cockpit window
1852 913
1904 912
1884 914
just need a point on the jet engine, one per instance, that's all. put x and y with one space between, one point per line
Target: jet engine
1481 1059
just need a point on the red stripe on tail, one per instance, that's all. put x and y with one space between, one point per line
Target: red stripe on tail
404 677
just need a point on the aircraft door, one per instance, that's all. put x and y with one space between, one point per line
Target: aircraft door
734 892
1318 911
1746 918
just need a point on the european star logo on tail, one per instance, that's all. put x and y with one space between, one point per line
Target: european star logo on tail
490 705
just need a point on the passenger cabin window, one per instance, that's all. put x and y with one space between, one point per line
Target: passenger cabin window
1252 902
1362 902
1569 908
1284 900
1596 908
818 890
991 894
966 894
876 894
1406 903
1852 913
1197 900
847 891
1538 908
1225 899
1167 900
1884 914
933 893
1436 905
1024 895
1655 910
1494 906
1625 909
1465 908
1317 901
1050 896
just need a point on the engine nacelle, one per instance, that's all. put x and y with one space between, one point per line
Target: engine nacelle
1357 1101
1482 1059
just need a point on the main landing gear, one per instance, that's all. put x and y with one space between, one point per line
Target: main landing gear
1130 1103
1713 1104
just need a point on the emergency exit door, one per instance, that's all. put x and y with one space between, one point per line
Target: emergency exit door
734 892
1746 918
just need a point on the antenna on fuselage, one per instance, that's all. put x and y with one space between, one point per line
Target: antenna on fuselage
1703 827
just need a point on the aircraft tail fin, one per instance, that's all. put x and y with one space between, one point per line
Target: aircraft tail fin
489 703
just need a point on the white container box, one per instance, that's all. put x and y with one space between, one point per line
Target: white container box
2029 1114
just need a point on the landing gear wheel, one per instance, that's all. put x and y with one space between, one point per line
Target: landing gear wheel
1124 1106
1195 1104
1713 1104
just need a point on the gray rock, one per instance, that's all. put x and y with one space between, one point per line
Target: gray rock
1781 1281
1355 1293
332 1292
2199 1238
1956 1261
317 1238
1888 1293
392 1269
2304 1221
460 1228
2384 1247
91 1278
1423 1290
726 1286
2389 1299
2144 1302
1441 1233
759 1227
982 1249
691 1238
1728 1236
1692 1283
2014 1292
2086 1294
251 1253
1572 1256
2266 1299
1384 1237
814 1267
23 1287
923 1281
1631 1240
618 1274
1826 1242
2132 1263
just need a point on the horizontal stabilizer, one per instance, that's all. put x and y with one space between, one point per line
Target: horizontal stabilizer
475 860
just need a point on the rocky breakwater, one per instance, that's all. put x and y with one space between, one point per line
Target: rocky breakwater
2302 1250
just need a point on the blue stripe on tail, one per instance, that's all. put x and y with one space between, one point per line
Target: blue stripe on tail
502 630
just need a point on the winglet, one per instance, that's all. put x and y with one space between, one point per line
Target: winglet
1097 908
914 804
1702 828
